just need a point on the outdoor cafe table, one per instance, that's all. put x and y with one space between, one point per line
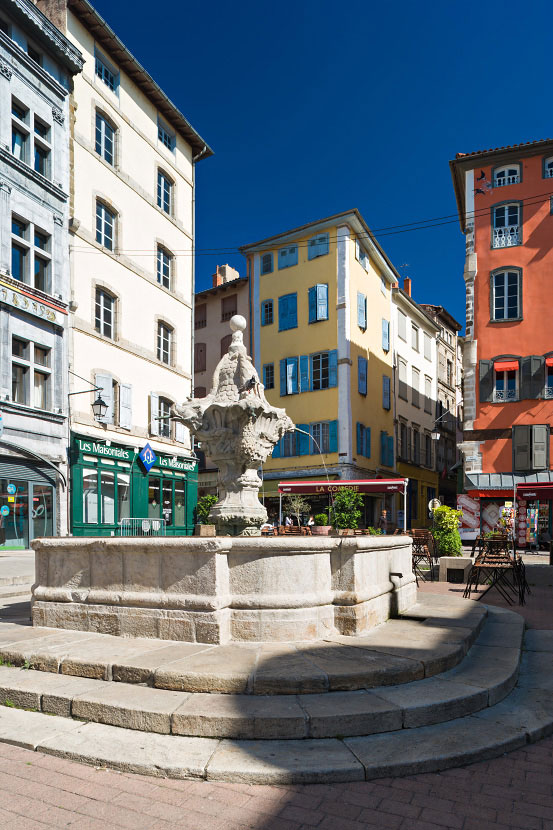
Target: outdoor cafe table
498 568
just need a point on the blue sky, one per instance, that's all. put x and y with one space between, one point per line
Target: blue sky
313 108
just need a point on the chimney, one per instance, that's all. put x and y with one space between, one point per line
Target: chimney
224 273
407 285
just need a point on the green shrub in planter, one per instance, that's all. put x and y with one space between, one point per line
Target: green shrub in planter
205 503
321 520
346 509
446 531
373 531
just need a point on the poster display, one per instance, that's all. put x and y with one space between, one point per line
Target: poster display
469 527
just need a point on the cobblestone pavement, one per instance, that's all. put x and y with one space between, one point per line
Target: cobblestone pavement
515 791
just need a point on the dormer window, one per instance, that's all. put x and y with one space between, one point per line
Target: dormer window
548 168
506 175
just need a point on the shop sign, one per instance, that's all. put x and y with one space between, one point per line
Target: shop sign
11 489
175 463
18 299
148 457
97 448
4 511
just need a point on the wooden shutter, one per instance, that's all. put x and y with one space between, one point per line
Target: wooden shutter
180 432
292 386
362 365
293 311
360 439
486 380
276 449
390 450
333 436
521 448
540 442
304 373
361 310
106 393
154 412
283 313
367 443
125 405
385 335
302 440
532 376
199 357
333 368
283 377
225 344
312 302
322 301
386 391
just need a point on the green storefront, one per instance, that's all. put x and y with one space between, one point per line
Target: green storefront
109 484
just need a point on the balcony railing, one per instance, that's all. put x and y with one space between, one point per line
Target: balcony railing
504 395
503 180
506 237
548 172
548 392
200 324
226 315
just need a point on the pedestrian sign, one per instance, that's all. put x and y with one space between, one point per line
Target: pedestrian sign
148 458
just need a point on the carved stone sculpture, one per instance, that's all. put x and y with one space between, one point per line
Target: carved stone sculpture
237 428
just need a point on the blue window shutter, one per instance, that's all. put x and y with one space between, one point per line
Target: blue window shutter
304 373
311 375
293 361
312 446
367 447
282 313
361 310
282 378
276 449
333 436
323 244
364 312
390 443
322 302
386 335
360 439
302 440
362 365
333 368
385 391
312 296
383 447
293 311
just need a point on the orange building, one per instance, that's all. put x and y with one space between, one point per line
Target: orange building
505 202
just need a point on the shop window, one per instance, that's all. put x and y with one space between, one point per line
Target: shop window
90 497
180 504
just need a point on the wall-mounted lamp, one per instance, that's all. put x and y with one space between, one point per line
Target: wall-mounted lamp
99 407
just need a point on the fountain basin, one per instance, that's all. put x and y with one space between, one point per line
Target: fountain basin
223 589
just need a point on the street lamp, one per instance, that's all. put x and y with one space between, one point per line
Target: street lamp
99 407
435 435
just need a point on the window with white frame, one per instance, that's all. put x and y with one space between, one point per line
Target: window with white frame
401 325
105 226
31 374
510 174
267 316
165 135
415 379
164 420
427 394
414 337
31 142
548 168
320 434
105 138
427 346
506 385
164 192
164 264
506 225
361 255
104 313
164 342
402 372
269 376
266 263
289 444
506 295
31 258
320 376
106 72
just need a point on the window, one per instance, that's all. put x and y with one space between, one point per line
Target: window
164 342
427 346
31 257
266 263
269 376
506 175
415 374
287 312
225 344
164 419
361 256
31 374
449 373
506 225
507 295
200 391
289 376
228 307
104 313
200 316
548 391
427 394
361 311
403 449
530 447
402 325
318 303
107 74
163 268
105 138
383 285
20 132
386 449
320 437
386 389
505 386
105 226
385 335
289 444
164 192
428 450
287 257
266 312
199 357
317 246
363 440
402 372
324 370
165 135
416 446
415 337
548 168
362 369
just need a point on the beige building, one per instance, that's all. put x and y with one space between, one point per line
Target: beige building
214 307
132 230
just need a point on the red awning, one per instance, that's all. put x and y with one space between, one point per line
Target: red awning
549 361
536 492
372 485
505 365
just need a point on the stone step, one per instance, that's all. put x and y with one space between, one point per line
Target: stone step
15 590
483 678
433 639
524 716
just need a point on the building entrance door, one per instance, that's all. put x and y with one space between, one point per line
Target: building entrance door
27 511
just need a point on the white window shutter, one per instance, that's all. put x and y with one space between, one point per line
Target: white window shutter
154 414
125 405
180 432
105 382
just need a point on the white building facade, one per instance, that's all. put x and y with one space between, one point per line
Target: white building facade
37 65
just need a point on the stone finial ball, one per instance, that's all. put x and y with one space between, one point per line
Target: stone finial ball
238 323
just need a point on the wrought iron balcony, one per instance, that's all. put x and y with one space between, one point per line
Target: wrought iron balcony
506 237
504 395
548 392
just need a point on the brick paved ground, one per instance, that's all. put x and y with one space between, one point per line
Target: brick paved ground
514 792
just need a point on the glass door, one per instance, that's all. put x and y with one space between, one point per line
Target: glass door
42 510
14 514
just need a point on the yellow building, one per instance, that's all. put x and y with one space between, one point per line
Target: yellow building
320 315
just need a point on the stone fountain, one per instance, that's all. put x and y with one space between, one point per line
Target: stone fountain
237 428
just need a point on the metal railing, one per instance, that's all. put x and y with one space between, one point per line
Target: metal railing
548 392
142 527
500 181
505 395
506 237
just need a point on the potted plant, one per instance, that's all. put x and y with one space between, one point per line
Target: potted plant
321 526
296 505
346 511
203 507
446 531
